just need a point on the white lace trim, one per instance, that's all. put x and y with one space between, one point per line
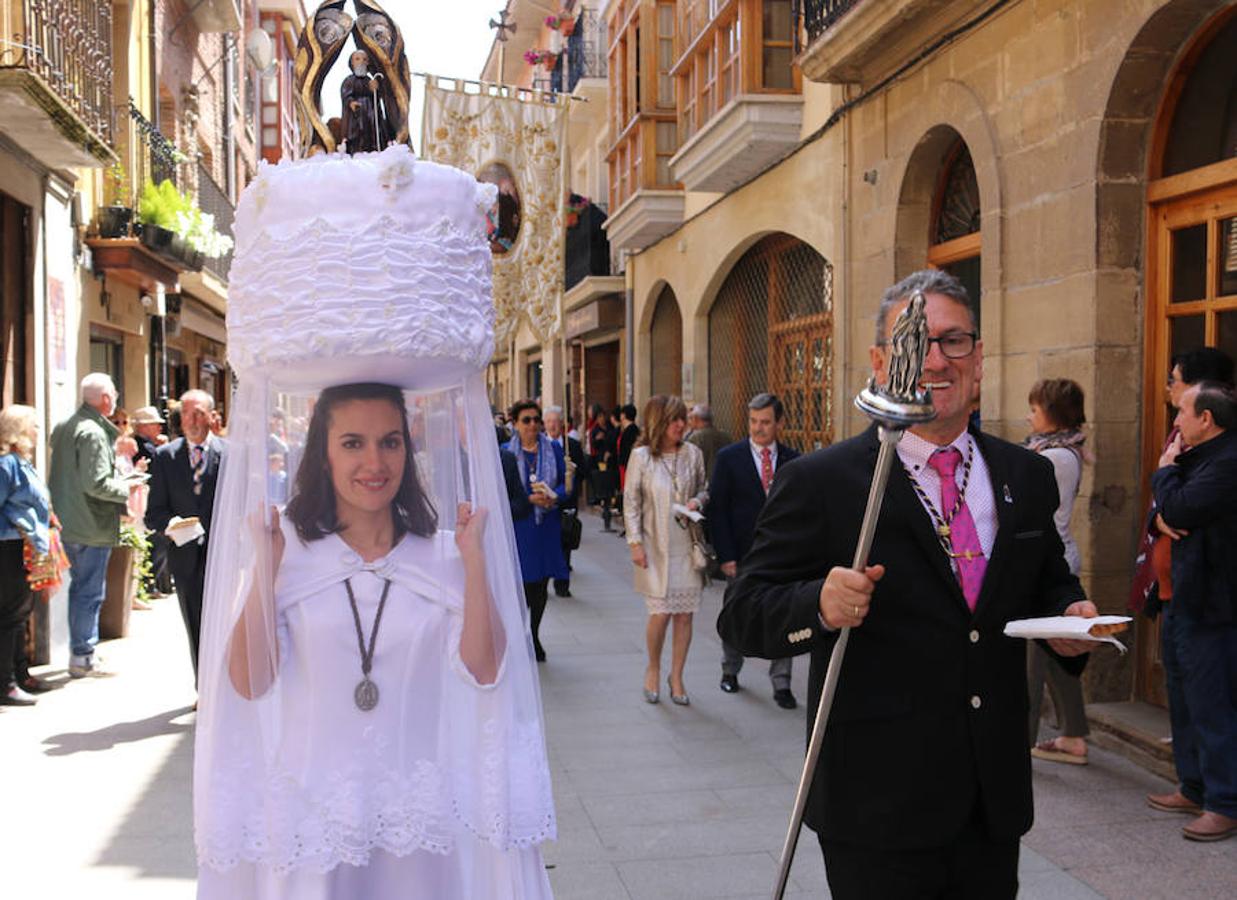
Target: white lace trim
675 601
271 819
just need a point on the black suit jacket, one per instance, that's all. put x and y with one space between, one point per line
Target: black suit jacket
930 715
736 497
171 494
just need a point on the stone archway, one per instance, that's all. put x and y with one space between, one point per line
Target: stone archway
771 329
666 345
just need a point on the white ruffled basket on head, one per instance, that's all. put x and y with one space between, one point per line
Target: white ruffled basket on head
372 268
375 255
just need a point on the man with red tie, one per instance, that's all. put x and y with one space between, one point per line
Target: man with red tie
182 484
741 479
923 786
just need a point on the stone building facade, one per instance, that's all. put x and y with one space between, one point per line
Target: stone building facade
1074 162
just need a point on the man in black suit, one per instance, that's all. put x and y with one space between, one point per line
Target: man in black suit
742 476
923 787
556 431
182 483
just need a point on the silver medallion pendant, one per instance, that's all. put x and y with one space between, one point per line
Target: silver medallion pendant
366 695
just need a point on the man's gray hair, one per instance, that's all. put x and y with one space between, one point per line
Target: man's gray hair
703 412
930 281
199 396
95 385
554 411
764 401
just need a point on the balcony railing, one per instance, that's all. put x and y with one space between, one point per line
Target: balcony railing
819 15
586 49
158 157
68 44
212 200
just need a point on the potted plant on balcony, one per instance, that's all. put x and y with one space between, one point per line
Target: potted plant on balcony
576 205
157 210
202 239
563 22
114 219
547 58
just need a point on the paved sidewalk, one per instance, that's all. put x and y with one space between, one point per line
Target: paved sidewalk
653 801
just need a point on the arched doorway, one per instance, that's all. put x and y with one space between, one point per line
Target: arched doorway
666 345
771 329
1191 267
954 239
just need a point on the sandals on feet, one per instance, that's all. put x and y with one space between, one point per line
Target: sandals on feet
1048 750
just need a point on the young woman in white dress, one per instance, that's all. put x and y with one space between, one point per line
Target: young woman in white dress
365 734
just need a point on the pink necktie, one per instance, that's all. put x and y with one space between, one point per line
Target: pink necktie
197 464
766 468
963 537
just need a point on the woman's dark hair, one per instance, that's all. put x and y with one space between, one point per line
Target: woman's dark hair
519 406
312 507
1061 400
1205 364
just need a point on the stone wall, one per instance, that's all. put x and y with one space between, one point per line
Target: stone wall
1055 100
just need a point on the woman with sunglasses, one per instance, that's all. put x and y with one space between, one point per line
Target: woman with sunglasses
538 537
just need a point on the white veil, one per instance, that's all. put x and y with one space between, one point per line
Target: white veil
290 772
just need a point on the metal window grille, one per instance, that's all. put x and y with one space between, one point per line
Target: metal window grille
666 345
771 329
213 200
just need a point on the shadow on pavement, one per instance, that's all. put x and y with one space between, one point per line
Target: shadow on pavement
155 839
120 733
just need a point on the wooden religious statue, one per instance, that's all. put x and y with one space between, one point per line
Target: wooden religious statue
374 95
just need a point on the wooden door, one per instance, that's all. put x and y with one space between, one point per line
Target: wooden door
1192 294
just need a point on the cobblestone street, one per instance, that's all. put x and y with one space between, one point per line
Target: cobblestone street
653 801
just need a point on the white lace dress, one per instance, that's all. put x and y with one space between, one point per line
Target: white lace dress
354 804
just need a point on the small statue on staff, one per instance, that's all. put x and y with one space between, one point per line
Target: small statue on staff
361 127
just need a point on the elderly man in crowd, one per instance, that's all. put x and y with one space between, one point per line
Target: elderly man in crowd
555 426
89 500
1196 493
182 485
704 435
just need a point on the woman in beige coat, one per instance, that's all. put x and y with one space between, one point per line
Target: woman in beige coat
663 471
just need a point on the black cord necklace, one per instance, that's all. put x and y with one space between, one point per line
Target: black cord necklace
366 693
943 522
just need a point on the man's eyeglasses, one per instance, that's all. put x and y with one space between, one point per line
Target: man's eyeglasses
955 345
529 420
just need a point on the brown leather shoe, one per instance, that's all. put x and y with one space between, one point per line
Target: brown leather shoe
1210 826
1174 803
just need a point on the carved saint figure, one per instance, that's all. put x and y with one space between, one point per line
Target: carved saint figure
908 350
360 106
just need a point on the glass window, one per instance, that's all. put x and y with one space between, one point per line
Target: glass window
1189 263
1204 128
1226 275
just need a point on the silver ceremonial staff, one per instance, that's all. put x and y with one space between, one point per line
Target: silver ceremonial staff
895 406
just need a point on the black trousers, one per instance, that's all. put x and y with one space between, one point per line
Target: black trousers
535 593
16 603
190 579
973 867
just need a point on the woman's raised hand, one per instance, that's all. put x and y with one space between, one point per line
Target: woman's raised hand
268 538
469 529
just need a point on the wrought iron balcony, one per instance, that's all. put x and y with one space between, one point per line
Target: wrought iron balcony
818 15
586 49
213 201
56 80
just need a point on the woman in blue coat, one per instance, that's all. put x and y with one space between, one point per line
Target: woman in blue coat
538 537
25 515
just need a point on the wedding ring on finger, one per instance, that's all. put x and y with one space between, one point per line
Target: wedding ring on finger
856 610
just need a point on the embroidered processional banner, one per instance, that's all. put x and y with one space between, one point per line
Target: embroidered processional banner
516 143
